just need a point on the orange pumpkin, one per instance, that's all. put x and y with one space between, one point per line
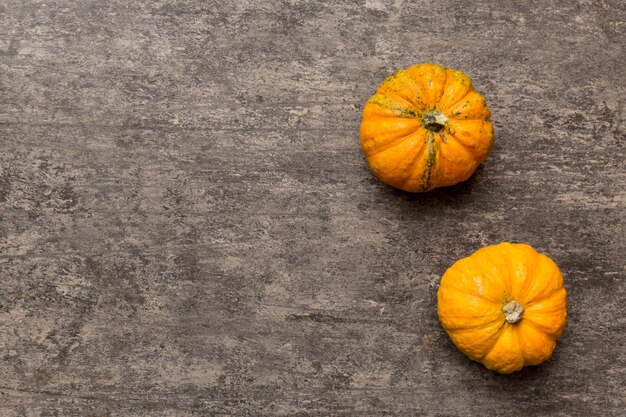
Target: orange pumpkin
503 306
425 127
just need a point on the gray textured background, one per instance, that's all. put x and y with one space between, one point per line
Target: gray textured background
188 226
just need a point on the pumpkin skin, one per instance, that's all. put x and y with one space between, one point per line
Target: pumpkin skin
503 306
424 128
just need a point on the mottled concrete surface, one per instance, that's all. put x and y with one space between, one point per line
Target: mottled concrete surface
188 226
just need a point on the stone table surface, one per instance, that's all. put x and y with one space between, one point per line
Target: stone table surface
188 226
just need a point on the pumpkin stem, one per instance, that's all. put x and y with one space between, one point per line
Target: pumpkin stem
512 311
434 120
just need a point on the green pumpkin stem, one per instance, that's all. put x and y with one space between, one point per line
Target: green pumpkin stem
434 120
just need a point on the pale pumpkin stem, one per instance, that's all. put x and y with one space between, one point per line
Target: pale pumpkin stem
512 311
434 120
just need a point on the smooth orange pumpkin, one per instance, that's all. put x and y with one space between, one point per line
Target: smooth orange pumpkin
503 306
425 127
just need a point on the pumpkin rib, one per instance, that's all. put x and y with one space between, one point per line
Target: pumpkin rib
479 154
505 356
424 75
390 165
530 322
551 317
431 162
407 109
555 332
415 86
553 328
450 287
454 154
486 281
525 257
536 345
396 129
521 344
395 143
474 108
400 82
467 148
475 327
443 89
389 145
531 304
454 104
411 168
418 109
526 286
549 320
473 119
402 100
494 256
392 128
495 341
476 343
537 290
414 171
456 83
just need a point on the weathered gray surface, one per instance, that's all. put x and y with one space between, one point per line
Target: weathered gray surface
188 226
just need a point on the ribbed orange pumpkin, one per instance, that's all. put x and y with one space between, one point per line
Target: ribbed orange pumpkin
503 306
424 128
